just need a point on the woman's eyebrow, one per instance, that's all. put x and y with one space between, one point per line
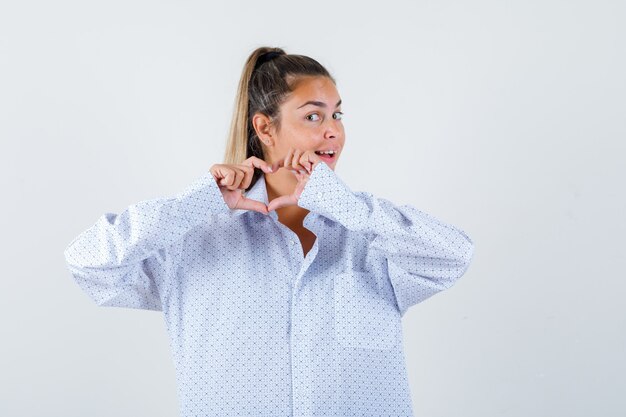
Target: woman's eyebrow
319 103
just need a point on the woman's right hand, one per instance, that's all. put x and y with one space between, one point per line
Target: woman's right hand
233 178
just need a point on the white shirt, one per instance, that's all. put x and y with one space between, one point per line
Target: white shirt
256 328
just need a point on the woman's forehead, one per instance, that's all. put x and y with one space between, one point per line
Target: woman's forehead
314 90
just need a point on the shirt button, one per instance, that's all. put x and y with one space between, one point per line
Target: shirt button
293 242
319 194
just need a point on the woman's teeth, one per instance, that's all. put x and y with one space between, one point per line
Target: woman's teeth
325 152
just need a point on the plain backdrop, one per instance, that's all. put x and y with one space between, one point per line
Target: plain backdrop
506 119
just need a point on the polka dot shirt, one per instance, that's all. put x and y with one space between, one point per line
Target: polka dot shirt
255 327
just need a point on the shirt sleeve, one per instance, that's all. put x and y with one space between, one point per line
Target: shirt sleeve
126 259
424 255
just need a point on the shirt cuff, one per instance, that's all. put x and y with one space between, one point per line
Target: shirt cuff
325 193
202 198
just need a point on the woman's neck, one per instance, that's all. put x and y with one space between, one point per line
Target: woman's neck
283 183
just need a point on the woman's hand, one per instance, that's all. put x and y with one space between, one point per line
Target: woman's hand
233 178
301 164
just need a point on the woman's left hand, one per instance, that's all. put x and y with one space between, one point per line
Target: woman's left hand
301 164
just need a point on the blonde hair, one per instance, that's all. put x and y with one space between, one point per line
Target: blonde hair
268 76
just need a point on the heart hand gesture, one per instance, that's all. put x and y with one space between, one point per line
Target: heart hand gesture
301 164
233 178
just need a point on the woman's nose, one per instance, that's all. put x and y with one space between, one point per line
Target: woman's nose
332 128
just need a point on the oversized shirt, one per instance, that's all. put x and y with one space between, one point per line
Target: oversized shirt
255 327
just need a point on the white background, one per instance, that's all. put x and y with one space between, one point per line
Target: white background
504 118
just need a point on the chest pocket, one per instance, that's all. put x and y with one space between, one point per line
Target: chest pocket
365 314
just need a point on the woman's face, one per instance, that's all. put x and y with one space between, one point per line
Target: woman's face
310 120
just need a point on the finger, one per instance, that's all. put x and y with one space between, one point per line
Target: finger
214 170
303 178
228 177
305 161
238 176
287 159
282 201
295 163
314 160
301 175
257 162
219 172
250 204
248 171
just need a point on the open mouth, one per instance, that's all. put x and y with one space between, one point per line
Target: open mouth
328 155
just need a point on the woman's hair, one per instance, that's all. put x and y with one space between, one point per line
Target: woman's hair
269 76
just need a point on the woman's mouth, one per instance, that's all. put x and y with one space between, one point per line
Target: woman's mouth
326 155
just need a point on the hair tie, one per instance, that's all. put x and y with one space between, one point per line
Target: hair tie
266 57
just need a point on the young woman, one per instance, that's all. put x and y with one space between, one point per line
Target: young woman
282 289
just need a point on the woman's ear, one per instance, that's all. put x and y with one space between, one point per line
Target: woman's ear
263 128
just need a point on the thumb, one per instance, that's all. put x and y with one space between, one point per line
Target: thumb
282 201
249 204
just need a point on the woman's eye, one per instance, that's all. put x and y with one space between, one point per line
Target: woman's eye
339 114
